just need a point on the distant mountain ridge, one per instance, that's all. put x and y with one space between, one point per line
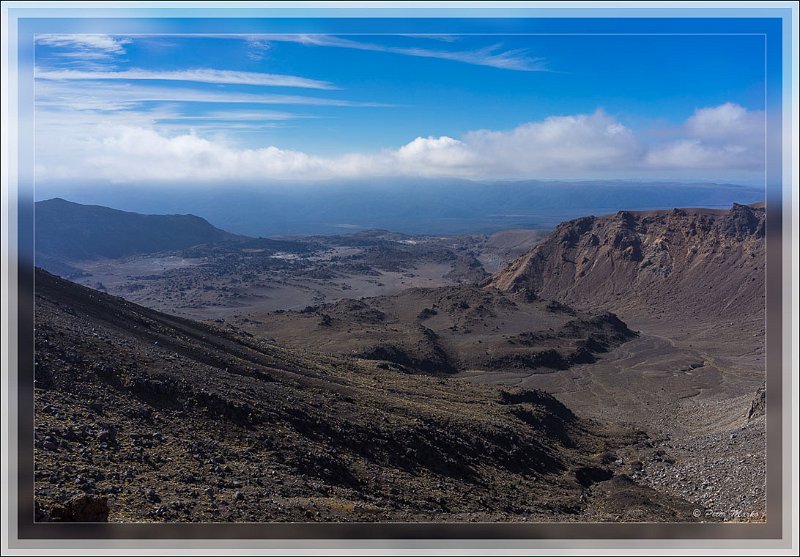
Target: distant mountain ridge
709 262
418 206
67 231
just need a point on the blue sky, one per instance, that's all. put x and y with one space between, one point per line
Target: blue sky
264 108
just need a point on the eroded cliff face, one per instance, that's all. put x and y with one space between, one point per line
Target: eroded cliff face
696 260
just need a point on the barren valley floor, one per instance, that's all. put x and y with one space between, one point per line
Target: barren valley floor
394 357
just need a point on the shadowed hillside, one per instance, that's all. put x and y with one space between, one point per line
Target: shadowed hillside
142 416
67 231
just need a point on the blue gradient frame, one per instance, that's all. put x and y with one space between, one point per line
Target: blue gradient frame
772 23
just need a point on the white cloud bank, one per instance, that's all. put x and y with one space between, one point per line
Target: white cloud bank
723 142
723 137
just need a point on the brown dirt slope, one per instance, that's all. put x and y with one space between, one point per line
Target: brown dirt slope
141 416
448 330
679 262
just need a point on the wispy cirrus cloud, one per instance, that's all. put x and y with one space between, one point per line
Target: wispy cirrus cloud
432 36
233 115
519 59
97 46
494 56
110 95
67 126
198 75
257 48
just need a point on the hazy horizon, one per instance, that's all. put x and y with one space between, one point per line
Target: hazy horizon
451 207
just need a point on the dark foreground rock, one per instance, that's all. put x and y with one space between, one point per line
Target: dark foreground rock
81 508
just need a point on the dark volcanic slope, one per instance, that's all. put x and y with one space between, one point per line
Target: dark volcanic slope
700 261
67 231
166 419
449 329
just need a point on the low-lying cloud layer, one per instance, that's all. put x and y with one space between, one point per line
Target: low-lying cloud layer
723 142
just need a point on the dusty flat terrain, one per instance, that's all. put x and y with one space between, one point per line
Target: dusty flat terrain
500 248
246 275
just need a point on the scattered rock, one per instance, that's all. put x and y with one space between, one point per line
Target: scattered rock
50 443
757 407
